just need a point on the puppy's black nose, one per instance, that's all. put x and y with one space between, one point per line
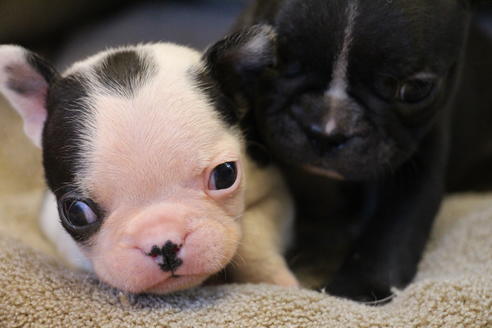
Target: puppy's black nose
166 256
325 141
334 137
329 134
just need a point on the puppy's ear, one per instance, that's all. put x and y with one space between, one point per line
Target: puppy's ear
241 57
24 81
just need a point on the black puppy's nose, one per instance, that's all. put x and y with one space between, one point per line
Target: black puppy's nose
166 256
312 120
330 136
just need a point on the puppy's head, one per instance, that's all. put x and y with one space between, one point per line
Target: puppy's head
144 163
346 88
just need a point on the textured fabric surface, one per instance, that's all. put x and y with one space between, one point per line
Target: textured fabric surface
452 289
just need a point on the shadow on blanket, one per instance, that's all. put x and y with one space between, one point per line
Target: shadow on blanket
453 287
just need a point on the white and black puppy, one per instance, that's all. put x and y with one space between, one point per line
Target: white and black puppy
150 184
355 100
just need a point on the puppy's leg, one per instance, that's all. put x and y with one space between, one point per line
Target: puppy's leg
266 225
390 247
53 230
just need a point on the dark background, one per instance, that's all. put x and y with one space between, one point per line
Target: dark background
67 30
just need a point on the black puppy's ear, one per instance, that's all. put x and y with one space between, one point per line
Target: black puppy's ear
24 81
240 58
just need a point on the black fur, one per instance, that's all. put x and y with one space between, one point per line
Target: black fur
231 113
226 109
124 71
393 155
214 81
62 139
66 102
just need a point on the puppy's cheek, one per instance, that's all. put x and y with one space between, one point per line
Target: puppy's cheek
120 265
285 138
373 153
235 205
360 157
126 269
210 247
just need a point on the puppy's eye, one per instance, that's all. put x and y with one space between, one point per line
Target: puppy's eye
415 90
223 176
79 213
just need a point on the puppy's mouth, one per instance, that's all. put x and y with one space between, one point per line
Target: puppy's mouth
324 172
328 146
174 283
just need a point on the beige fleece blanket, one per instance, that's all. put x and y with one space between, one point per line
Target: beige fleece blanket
453 287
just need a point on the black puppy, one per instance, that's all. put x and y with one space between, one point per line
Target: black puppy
357 100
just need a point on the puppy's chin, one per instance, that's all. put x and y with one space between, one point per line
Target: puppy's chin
359 158
168 284
149 280
174 284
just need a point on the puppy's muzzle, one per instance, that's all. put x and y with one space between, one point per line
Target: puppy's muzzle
166 256
328 124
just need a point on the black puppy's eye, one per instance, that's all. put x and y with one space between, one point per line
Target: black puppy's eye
223 176
79 213
415 90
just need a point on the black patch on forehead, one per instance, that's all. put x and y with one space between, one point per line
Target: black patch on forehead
312 33
416 35
124 71
399 35
67 104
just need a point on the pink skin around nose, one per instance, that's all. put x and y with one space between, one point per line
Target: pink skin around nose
204 246
156 229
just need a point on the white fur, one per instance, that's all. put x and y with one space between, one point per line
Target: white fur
330 126
337 90
51 227
259 45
